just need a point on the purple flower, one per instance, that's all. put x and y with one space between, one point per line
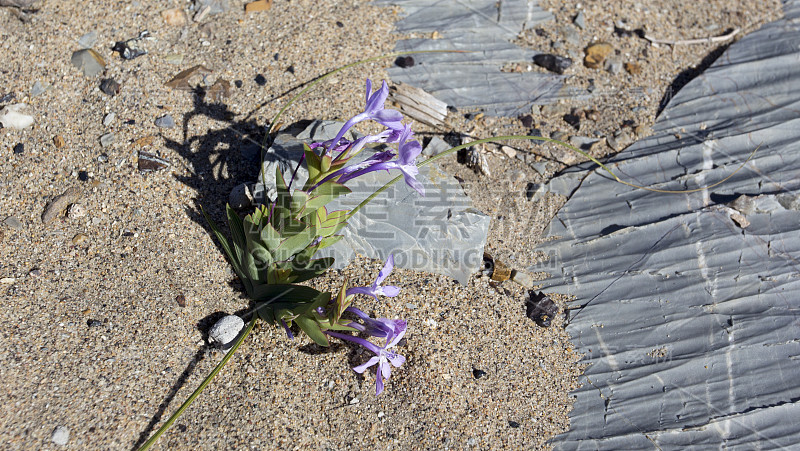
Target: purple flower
392 330
376 289
374 110
408 150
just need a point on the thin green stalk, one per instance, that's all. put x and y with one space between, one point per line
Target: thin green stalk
202 386
481 141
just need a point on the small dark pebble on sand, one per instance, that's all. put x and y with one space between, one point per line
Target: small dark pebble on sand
553 63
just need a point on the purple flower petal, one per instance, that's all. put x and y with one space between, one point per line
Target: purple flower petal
361 368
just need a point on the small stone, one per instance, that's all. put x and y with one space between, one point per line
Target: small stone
83 176
404 61
79 239
225 331
612 143
37 89
238 83
94 323
175 17
60 435
540 308
532 189
580 20
107 139
11 116
76 211
241 197
59 204
258 6
108 119
165 121
596 54
740 220
477 374
7 280
509 151
19 148
88 40
131 48
514 424
613 66
573 119
559 136
13 222
181 300
110 86
642 130
583 143
526 120
436 146
633 68
260 80
88 61
571 35
58 141
174 58
149 162
553 63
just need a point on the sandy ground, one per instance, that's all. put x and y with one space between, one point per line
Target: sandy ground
94 339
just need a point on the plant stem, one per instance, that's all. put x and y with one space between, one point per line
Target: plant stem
202 386
480 141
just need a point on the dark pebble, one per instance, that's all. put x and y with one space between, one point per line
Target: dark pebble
130 122
19 149
83 176
527 120
7 97
94 323
109 86
622 32
574 120
553 63
260 80
238 83
531 189
513 424
404 61
540 308
181 300
126 51
477 374
541 32
290 69
339 24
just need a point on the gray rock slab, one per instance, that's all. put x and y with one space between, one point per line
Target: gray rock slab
484 28
689 322
440 233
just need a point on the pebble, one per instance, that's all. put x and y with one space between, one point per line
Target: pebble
149 162
613 66
477 374
108 119
642 130
11 116
526 120
596 54
740 220
107 139
404 61
88 61
260 80
509 151
436 146
174 58
553 63
633 68
79 239
13 222
7 280
60 435
225 331
59 204
559 136
583 143
571 35
88 40
258 6
580 21
58 141
174 17
94 323
37 88
240 197
165 121
110 86
76 211
19 149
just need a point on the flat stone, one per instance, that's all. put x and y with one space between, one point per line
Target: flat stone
11 116
580 20
224 332
88 61
13 222
88 40
107 139
60 435
596 54
108 119
38 88
553 63
436 146
165 121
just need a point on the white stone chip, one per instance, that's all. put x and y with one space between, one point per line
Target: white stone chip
11 117
60 435
225 331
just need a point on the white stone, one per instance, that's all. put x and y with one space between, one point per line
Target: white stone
11 117
225 331
60 435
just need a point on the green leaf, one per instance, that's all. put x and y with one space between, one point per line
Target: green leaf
270 237
284 293
325 193
314 165
311 328
225 244
328 224
315 268
294 244
265 312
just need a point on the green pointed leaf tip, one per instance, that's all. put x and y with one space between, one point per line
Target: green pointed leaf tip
324 194
314 165
311 328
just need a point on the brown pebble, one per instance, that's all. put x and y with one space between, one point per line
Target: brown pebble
79 239
175 17
181 300
59 142
258 6
633 68
59 204
740 220
596 54
144 141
